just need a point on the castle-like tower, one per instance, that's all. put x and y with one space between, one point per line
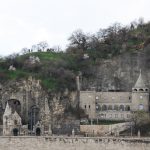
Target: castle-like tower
140 96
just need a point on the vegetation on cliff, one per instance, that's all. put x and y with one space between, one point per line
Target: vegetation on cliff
58 69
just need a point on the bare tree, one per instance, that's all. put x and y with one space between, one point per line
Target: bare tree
79 39
24 50
43 45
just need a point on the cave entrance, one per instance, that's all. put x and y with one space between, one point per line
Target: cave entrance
15 132
38 131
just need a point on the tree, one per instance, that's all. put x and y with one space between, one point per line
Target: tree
24 50
139 118
79 40
43 45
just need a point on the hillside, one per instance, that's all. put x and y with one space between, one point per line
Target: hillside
108 60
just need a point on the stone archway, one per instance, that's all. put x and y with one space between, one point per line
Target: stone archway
38 131
33 116
15 132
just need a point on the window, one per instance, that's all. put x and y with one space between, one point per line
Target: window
116 115
127 108
121 108
128 116
141 107
89 106
85 106
98 107
104 107
122 115
116 107
141 90
15 122
110 107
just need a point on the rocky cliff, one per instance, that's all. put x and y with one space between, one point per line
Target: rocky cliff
30 100
121 72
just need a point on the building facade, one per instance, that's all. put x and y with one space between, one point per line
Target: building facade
115 105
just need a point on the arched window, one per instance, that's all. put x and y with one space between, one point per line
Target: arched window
110 107
121 108
127 108
104 108
146 90
116 107
141 90
98 107
135 90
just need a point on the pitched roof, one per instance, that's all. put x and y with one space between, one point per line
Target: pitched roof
7 110
140 82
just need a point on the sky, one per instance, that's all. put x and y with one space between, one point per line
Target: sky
24 23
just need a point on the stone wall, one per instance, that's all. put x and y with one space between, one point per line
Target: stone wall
104 129
69 143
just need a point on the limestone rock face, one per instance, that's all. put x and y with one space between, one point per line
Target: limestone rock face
32 103
22 96
120 73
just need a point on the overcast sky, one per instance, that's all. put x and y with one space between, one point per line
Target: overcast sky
24 23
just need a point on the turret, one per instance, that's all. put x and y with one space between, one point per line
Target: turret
140 96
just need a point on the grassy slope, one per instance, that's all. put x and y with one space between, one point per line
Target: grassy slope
48 61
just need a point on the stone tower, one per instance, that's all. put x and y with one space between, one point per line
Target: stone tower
140 96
